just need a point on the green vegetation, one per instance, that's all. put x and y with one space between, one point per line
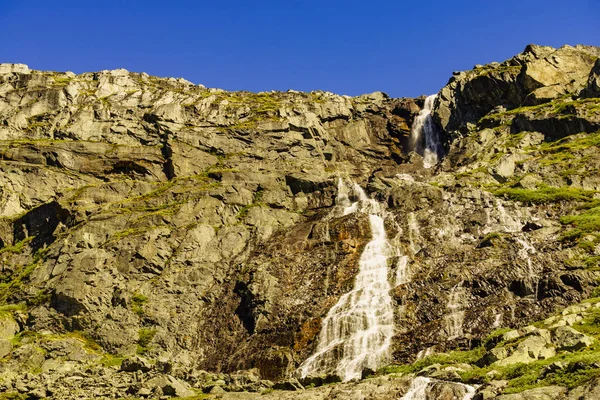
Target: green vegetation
488 69
109 360
256 202
9 284
545 194
18 247
13 396
131 232
585 226
489 239
6 311
61 80
137 303
578 368
571 143
454 357
145 336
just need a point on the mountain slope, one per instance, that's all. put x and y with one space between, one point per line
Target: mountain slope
195 227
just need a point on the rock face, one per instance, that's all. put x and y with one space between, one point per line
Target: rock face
593 85
536 76
152 229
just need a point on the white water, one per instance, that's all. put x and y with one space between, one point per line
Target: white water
513 225
413 233
423 130
421 386
417 389
402 270
497 320
357 331
507 223
456 316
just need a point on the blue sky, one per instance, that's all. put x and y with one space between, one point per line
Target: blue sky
404 48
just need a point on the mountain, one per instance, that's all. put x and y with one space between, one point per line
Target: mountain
159 238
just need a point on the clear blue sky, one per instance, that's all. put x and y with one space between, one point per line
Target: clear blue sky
404 48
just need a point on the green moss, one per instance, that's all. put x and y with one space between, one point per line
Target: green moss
584 224
145 336
13 396
12 283
569 144
545 194
256 202
7 311
454 357
89 343
109 360
61 80
137 303
488 240
18 247
493 338
580 366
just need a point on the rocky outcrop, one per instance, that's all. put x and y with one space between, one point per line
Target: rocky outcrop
593 85
538 75
152 230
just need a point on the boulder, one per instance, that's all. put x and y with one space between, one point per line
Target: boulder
5 347
589 391
170 386
493 355
14 68
567 338
531 349
8 326
136 363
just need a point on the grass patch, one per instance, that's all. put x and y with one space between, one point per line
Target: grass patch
137 303
18 247
454 357
579 367
12 283
145 336
585 224
545 194
109 360
61 80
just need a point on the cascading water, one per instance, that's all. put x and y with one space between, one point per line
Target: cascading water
418 389
512 225
421 389
357 331
456 316
424 138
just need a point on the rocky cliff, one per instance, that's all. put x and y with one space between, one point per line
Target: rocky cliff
152 229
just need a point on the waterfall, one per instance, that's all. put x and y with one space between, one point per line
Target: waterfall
417 389
402 270
507 223
456 316
424 138
357 331
413 233
421 389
